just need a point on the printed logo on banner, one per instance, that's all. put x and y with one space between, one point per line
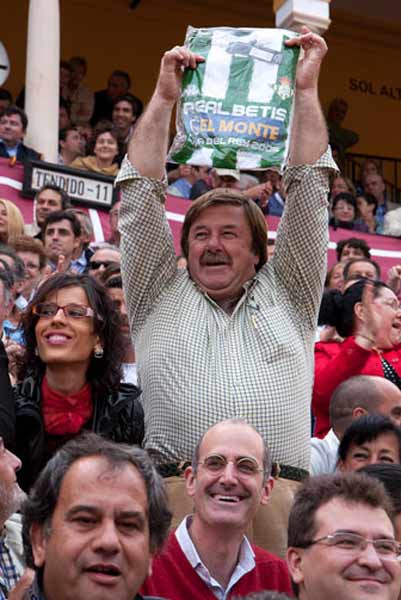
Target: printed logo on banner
235 108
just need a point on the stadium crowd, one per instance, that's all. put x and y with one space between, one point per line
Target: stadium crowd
214 425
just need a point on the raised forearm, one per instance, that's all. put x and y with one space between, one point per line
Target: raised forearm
309 136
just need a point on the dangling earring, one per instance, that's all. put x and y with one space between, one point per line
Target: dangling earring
98 352
36 352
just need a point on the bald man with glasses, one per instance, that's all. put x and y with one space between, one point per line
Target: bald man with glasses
209 556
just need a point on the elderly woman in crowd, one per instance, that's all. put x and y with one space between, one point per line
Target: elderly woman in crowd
70 378
368 315
104 155
344 213
11 221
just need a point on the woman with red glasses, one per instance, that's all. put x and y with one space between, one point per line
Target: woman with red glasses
70 377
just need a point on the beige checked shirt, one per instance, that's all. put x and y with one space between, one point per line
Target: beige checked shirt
198 365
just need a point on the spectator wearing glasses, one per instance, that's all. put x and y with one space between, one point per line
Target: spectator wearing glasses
103 257
368 315
70 377
341 540
209 556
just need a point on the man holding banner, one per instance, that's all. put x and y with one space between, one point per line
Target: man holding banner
232 336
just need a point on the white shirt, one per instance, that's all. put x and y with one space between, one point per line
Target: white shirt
324 454
245 563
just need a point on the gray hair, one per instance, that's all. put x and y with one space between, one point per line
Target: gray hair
43 497
267 460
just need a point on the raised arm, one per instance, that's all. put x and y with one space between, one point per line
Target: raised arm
309 136
148 147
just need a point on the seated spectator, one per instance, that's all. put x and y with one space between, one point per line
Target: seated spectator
64 119
228 178
70 146
105 152
114 287
61 232
49 198
86 133
390 476
368 167
83 253
352 248
361 268
64 80
6 100
369 440
104 256
14 123
11 325
208 556
344 213
339 185
355 397
11 221
375 185
188 176
114 214
32 253
7 404
341 538
70 377
118 85
80 97
182 262
271 246
367 206
334 278
368 315
126 110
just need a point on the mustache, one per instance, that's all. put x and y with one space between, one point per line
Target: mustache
356 572
214 258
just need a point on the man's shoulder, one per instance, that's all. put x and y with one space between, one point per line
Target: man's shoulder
26 153
264 556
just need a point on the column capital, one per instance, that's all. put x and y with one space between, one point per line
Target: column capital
292 14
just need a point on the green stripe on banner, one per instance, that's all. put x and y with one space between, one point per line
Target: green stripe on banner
240 77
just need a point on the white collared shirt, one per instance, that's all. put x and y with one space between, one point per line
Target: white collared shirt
245 563
324 454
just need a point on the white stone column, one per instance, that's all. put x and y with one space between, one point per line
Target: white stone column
42 77
291 14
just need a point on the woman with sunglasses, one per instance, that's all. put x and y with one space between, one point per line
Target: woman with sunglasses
70 377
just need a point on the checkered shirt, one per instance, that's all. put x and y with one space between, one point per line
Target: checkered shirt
197 364
8 572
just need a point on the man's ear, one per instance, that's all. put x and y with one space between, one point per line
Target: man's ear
359 412
294 563
38 543
190 481
267 490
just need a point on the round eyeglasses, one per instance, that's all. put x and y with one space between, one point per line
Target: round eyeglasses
244 465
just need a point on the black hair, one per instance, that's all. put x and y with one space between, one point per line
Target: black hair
15 110
136 103
367 429
123 75
346 197
59 215
362 259
356 243
65 199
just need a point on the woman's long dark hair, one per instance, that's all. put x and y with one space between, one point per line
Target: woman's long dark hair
103 373
337 309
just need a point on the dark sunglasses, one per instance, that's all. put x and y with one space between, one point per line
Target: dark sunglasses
96 264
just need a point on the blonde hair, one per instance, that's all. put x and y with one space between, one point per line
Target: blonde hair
15 221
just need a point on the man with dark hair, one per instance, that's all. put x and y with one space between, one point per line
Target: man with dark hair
13 125
93 521
83 253
70 145
126 110
354 398
361 268
370 440
341 540
209 555
352 248
233 333
50 198
64 118
118 85
61 232
31 252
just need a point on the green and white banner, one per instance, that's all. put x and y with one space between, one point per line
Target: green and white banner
235 108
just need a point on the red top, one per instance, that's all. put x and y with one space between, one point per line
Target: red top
337 361
173 576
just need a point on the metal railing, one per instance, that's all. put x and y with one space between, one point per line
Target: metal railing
389 167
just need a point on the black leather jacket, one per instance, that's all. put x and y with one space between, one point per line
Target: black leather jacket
117 417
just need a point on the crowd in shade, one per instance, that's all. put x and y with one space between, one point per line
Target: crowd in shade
222 424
